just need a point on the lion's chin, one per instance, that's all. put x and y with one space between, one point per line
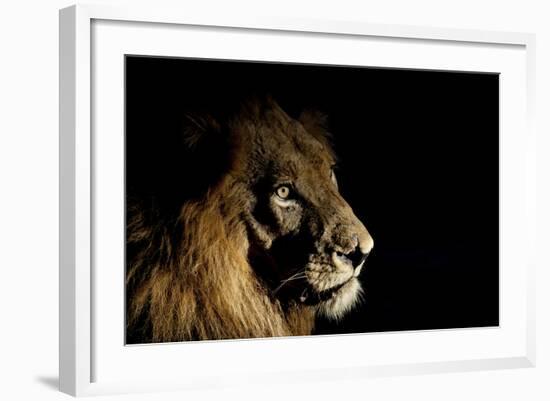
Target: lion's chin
341 301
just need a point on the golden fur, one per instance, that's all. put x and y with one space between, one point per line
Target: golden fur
191 297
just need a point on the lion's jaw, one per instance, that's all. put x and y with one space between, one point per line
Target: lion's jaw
332 294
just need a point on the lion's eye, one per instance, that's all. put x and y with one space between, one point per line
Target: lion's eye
283 192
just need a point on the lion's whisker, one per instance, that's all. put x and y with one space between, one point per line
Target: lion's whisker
296 276
293 278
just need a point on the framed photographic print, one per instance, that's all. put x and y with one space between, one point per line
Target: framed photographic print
335 198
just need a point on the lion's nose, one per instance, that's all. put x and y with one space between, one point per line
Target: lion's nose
355 257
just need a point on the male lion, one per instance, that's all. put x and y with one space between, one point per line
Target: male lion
265 246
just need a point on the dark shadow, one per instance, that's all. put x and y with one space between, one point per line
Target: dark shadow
52 382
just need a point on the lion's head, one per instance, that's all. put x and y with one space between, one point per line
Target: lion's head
270 242
311 245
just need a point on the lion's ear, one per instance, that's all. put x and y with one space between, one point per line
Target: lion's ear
200 130
204 157
315 123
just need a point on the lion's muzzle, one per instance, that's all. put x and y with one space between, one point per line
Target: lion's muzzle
353 260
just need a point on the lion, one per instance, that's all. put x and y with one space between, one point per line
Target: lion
261 250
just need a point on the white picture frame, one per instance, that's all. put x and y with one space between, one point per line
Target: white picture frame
91 40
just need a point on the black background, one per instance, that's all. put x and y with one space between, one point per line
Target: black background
419 164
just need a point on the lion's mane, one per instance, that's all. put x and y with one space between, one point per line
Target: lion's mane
190 277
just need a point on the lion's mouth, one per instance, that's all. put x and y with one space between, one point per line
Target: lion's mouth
312 297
